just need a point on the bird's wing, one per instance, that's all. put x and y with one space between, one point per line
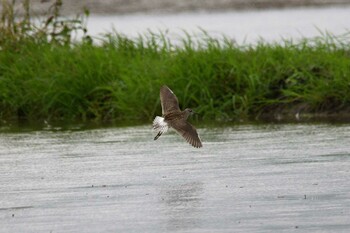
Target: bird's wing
187 131
168 100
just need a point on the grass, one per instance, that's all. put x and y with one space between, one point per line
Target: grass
45 75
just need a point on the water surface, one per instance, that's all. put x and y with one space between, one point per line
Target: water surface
251 26
247 178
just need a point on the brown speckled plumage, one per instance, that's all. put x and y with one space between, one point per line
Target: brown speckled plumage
176 118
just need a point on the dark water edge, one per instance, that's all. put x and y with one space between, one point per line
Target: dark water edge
24 125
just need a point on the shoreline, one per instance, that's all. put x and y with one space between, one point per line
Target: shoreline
226 82
273 117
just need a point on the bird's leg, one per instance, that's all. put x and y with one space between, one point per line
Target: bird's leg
158 135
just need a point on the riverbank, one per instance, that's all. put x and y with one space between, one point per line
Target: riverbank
120 80
45 75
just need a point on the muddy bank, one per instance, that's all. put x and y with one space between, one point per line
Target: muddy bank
169 6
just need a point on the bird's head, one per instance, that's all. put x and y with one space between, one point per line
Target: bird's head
188 112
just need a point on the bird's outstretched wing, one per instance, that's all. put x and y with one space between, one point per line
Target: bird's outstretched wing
187 131
168 100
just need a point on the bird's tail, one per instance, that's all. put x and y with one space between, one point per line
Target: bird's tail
160 126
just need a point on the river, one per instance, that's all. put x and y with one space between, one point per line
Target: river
244 27
246 178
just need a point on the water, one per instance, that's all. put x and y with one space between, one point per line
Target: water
247 178
241 26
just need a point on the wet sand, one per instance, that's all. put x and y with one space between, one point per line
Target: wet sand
170 6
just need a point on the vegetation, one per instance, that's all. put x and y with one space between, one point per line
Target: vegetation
44 74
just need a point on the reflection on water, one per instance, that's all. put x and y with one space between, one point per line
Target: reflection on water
246 178
183 205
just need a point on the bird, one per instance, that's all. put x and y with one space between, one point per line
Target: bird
173 117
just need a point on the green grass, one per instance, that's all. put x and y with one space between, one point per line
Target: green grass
52 78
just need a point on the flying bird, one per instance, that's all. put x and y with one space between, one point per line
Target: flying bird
174 118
